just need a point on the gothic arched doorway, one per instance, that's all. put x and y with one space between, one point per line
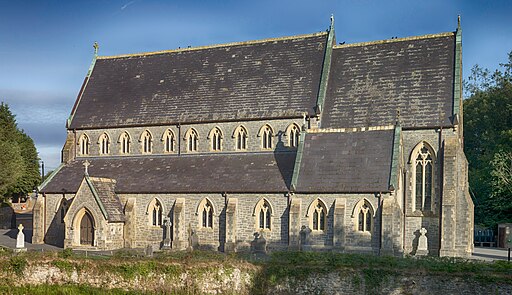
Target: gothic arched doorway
86 230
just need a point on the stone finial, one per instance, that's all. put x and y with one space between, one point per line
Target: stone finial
86 166
458 21
96 46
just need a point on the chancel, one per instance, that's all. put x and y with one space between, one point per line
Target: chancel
311 144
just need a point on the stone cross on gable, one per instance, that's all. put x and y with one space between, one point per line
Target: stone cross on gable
86 166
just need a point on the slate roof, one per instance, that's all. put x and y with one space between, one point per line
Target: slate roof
369 82
271 78
349 162
254 172
105 189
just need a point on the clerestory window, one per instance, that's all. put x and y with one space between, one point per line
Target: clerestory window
147 142
104 143
293 136
84 145
169 141
192 140
124 140
216 139
241 138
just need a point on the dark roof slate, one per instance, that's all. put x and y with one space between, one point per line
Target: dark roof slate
349 162
105 188
256 172
370 82
261 79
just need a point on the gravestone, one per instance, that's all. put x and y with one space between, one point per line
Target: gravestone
259 244
305 238
167 240
193 239
20 239
422 243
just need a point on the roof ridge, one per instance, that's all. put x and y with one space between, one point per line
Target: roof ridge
351 129
427 36
213 46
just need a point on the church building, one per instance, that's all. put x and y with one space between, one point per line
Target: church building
290 143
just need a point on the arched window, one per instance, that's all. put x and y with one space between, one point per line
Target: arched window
207 215
169 141
240 136
423 177
364 218
63 209
124 140
317 213
155 212
104 143
192 140
84 144
263 215
266 134
293 135
147 142
216 139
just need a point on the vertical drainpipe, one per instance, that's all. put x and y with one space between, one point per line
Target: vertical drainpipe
179 138
405 205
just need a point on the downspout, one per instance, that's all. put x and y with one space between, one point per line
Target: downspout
179 138
405 206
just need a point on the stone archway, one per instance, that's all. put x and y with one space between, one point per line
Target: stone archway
87 230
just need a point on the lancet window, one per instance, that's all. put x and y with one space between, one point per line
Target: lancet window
241 138
125 143
84 145
104 143
423 178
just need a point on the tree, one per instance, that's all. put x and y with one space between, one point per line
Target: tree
488 142
19 162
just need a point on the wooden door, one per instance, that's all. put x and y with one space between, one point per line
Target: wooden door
501 237
86 230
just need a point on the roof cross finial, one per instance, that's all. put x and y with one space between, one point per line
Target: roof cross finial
96 46
86 166
398 116
332 22
458 21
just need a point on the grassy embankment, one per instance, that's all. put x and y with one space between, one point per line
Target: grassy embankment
265 271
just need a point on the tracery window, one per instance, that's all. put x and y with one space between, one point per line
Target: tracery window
124 139
266 137
364 218
241 138
318 215
423 177
263 215
207 215
156 212
84 145
104 143
147 142
192 140
169 141
293 136
216 139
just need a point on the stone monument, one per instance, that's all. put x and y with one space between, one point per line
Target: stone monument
20 239
167 240
422 243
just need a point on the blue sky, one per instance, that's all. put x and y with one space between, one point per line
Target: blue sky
46 46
